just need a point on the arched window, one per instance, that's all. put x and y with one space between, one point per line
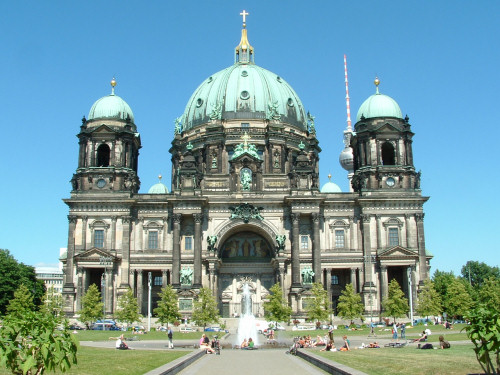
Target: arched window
388 156
103 153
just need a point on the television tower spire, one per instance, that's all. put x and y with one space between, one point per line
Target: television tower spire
346 156
349 127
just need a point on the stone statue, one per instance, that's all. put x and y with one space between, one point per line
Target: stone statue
178 126
246 179
186 276
211 241
272 113
280 239
310 123
307 275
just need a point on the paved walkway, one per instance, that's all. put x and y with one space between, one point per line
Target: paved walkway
251 362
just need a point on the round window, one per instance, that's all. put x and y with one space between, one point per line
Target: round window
279 79
290 102
101 183
244 95
244 73
199 102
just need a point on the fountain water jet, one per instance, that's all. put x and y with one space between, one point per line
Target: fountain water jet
246 326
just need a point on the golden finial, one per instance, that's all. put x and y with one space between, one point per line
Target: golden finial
329 176
377 82
113 84
159 177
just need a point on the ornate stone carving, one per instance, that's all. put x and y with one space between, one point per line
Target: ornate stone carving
72 219
198 218
419 217
280 240
365 218
246 212
295 218
177 218
211 241
186 276
307 275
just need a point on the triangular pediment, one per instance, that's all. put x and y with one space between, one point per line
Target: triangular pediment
387 128
103 129
94 255
397 252
246 157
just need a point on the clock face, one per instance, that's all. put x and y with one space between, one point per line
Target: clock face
101 183
390 182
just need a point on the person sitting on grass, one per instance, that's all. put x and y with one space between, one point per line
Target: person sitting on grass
423 337
330 347
120 343
346 346
443 344
373 345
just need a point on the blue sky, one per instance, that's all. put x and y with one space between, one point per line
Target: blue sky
438 59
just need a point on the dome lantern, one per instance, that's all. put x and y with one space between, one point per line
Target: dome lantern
243 53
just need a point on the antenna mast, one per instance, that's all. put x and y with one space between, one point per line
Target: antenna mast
349 127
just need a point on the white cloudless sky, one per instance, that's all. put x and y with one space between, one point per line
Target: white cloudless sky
438 59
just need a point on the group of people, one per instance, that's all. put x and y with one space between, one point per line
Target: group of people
401 327
250 344
206 345
330 346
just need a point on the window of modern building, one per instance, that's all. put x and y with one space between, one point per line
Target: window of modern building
339 239
153 239
304 242
188 243
99 238
393 236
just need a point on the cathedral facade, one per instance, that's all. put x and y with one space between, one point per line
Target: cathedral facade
245 205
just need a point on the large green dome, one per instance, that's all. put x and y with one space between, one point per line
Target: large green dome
243 91
379 105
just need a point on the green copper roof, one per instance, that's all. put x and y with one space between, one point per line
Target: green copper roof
379 105
111 106
330 187
158 188
244 91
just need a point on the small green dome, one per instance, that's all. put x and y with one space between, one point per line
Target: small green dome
111 106
379 105
244 91
158 188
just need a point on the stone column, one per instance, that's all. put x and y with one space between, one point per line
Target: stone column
352 232
295 251
164 280
422 259
125 263
80 289
316 248
131 279
84 232
140 233
379 231
165 233
140 289
384 282
409 242
367 252
176 256
353 279
113 233
109 290
69 287
198 218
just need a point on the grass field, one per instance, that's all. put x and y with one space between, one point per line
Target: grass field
458 360
91 335
99 361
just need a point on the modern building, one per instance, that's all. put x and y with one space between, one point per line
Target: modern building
245 205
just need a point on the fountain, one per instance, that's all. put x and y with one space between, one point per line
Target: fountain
246 326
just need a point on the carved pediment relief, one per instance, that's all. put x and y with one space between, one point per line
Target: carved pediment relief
387 128
94 255
397 251
186 293
103 129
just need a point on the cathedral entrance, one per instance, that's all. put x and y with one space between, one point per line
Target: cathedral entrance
246 259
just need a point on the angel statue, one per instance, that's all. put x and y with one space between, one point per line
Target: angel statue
211 241
186 276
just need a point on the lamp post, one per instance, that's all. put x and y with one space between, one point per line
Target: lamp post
104 261
149 301
408 273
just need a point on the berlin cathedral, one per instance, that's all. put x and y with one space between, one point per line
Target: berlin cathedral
245 205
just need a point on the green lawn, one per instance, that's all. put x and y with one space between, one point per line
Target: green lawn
458 360
90 335
99 361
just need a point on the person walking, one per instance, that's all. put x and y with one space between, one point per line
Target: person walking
170 335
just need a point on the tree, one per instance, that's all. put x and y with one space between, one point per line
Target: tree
13 274
91 306
168 308
205 308
318 307
441 280
277 309
32 344
52 303
350 306
484 332
477 272
488 295
429 300
395 304
458 300
21 303
128 309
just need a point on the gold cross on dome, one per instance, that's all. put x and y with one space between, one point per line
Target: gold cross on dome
245 138
244 14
